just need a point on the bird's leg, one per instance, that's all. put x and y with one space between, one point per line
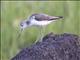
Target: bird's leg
38 37
41 33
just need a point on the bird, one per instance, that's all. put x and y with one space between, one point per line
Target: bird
40 20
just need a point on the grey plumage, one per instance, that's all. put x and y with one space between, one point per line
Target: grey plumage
41 17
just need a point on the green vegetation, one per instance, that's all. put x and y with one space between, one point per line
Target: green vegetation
13 12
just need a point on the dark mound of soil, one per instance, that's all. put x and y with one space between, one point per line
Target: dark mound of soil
54 47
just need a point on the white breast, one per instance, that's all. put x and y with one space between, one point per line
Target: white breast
40 23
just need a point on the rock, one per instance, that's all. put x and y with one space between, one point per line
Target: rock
53 47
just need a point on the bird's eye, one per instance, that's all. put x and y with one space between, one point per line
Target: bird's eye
28 22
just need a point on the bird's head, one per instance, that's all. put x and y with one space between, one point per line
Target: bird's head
24 24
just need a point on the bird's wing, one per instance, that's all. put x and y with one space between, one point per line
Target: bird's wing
41 17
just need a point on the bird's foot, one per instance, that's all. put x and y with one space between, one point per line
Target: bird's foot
39 40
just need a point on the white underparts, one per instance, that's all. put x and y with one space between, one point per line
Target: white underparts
40 23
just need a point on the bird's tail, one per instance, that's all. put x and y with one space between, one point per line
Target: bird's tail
56 17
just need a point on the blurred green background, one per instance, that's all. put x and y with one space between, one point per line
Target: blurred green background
13 12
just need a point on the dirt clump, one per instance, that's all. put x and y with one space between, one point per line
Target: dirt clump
53 47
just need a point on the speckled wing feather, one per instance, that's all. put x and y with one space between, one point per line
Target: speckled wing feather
41 17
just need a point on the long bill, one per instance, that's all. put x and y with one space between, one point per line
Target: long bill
19 34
